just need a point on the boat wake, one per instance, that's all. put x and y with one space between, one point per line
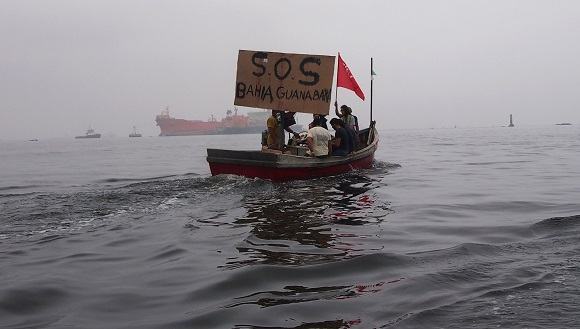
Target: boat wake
378 164
145 179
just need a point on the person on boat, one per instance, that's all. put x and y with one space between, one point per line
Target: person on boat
353 138
288 120
346 116
341 144
318 138
277 123
275 139
321 119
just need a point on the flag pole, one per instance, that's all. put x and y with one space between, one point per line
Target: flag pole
372 89
336 85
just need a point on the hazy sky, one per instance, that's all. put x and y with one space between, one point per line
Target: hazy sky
113 64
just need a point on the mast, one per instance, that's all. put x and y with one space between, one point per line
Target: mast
336 84
372 78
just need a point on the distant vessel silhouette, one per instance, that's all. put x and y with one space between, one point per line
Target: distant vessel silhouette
511 122
134 133
233 123
90 134
564 124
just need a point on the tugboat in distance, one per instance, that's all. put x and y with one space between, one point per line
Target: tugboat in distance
89 134
134 133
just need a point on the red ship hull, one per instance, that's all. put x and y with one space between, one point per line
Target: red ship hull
231 124
180 127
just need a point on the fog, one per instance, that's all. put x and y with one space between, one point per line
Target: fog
65 65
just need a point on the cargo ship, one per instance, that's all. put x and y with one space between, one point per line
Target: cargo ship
233 123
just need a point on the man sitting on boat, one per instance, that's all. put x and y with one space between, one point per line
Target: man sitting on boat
318 138
341 144
321 118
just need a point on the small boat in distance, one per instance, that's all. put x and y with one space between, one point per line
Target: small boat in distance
564 124
89 134
134 133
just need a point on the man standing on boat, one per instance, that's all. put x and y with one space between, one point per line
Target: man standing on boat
346 116
277 123
341 144
318 138
289 120
275 131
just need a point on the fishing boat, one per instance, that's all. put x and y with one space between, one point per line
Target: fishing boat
293 163
89 134
134 133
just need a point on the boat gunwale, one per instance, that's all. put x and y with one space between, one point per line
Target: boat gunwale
272 160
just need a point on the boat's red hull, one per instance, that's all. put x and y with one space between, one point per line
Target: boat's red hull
286 174
285 167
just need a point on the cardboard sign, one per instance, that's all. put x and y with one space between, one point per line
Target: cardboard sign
287 82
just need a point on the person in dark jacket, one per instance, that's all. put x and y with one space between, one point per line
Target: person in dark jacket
289 120
341 144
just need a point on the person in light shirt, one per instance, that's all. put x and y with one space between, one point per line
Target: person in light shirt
346 116
317 139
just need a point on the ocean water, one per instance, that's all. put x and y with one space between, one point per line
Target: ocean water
451 228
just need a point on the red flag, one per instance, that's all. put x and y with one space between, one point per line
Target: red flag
345 79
